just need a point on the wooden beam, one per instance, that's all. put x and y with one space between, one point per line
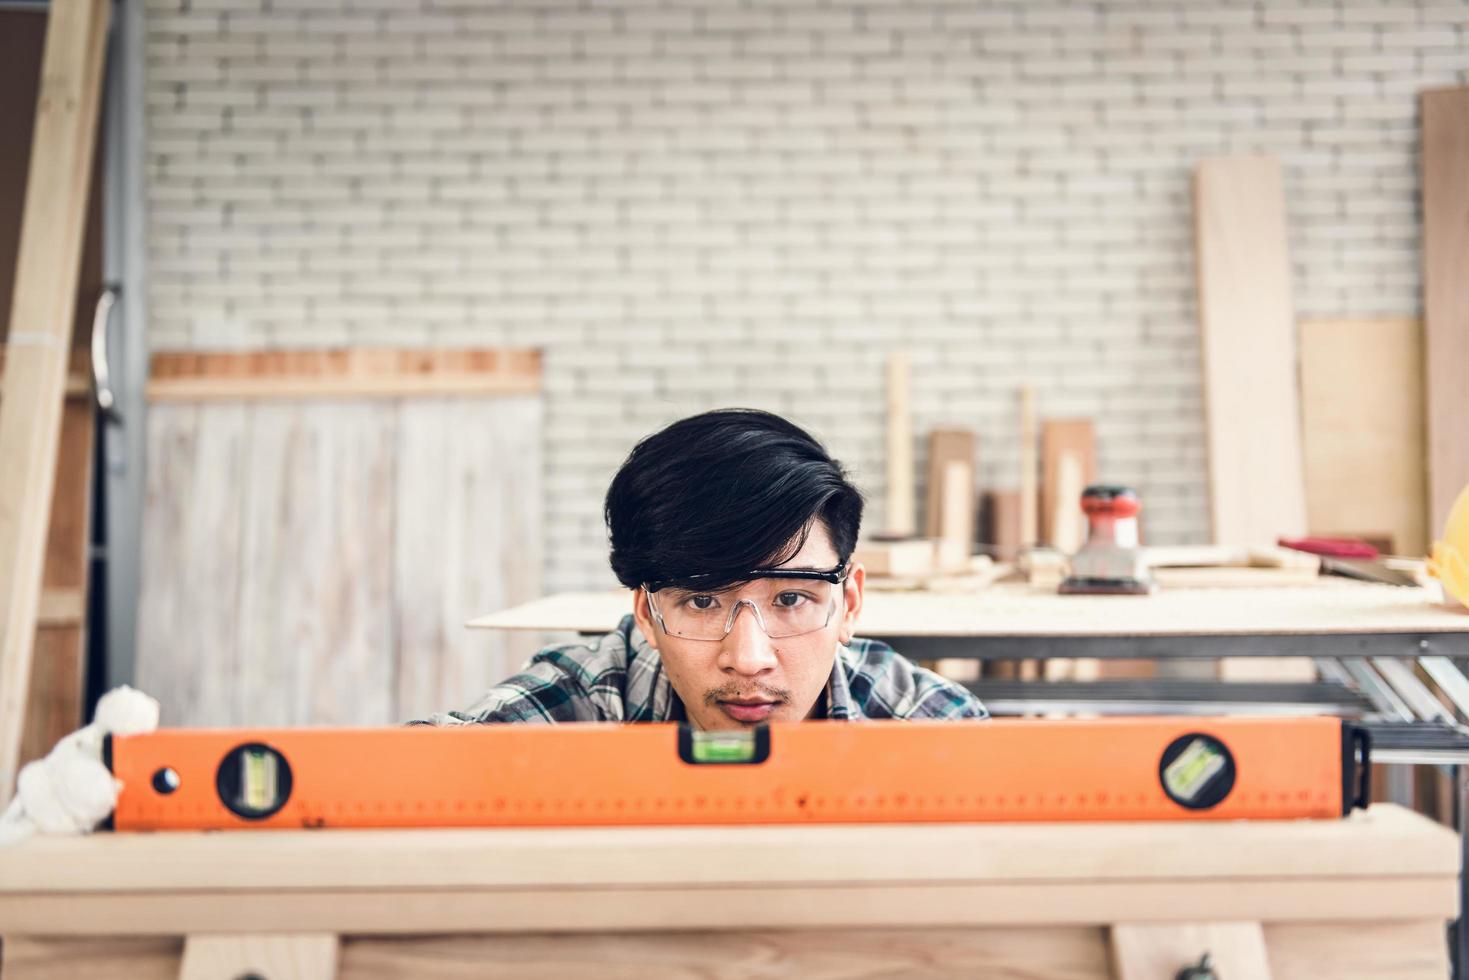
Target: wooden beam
1385 843
40 337
1257 487
186 376
529 907
1446 295
1401 949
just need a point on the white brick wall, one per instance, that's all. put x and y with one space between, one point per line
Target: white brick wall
693 204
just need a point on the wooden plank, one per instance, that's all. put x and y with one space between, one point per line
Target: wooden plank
1363 429
283 956
529 907
1063 953
39 958
1151 951
1404 950
1068 457
1385 843
467 536
342 373
58 673
960 510
1029 495
315 596
1247 335
42 309
945 447
1001 523
55 703
191 575
1446 295
901 521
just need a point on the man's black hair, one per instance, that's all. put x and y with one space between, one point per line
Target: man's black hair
719 494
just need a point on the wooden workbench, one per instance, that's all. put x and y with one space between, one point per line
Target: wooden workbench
1017 620
1362 897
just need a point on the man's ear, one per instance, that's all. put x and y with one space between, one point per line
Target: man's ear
852 593
643 616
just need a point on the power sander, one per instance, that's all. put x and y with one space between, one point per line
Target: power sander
1110 563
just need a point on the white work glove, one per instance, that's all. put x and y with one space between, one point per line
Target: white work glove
71 791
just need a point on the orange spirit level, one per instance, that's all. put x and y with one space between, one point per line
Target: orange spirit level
811 772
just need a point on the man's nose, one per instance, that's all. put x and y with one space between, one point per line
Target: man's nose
747 650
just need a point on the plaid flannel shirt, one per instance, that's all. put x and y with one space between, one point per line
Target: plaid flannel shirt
619 677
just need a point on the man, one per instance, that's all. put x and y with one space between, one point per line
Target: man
735 531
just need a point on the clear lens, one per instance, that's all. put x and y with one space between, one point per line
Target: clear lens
784 607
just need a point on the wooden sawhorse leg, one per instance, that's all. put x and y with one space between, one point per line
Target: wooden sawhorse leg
1159 950
276 956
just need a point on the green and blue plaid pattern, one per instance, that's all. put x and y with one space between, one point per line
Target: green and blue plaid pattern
619 677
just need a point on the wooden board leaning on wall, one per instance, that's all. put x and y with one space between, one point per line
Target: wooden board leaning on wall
1247 333
319 525
41 317
1362 425
1446 295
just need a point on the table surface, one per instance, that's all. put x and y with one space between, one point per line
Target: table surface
1329 606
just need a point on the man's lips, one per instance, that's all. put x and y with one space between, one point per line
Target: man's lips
747 711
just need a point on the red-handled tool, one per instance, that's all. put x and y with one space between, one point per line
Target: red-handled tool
1331 547
1351 558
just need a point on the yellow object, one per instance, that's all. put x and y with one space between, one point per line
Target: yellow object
1449 562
